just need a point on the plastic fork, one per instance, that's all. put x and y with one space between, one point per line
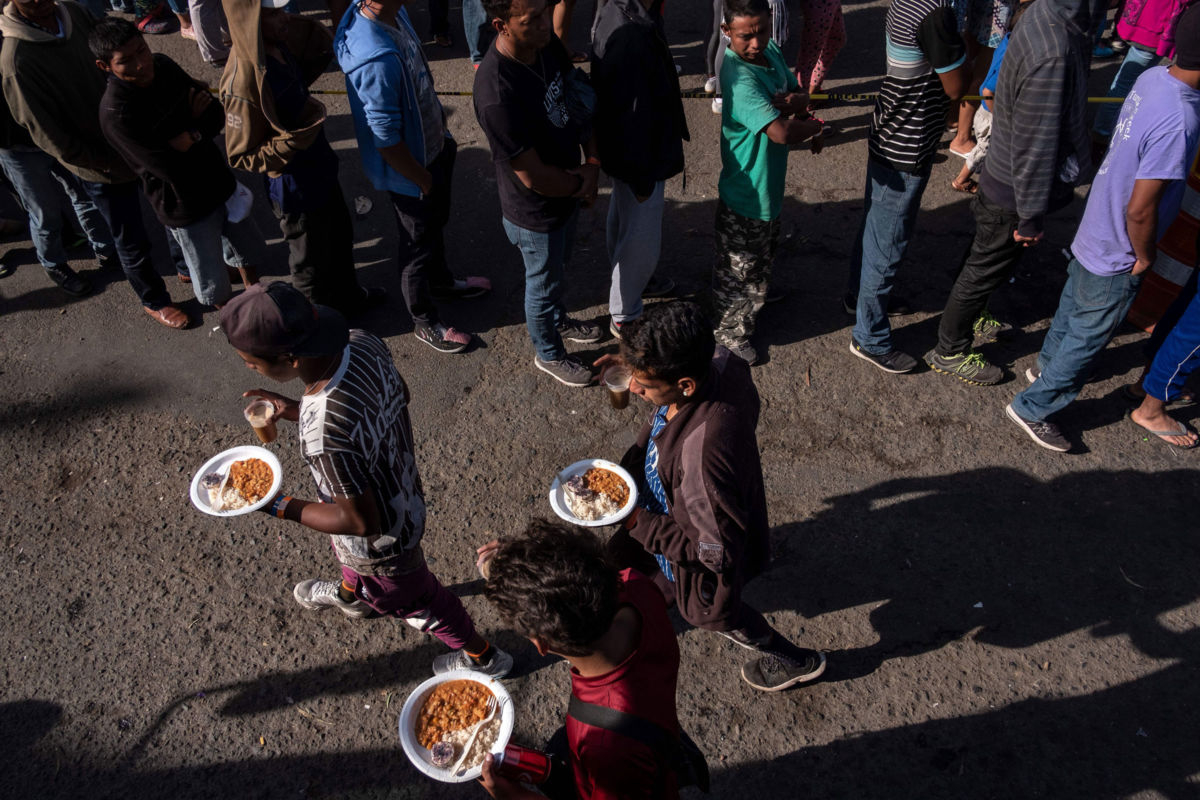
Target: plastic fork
492 705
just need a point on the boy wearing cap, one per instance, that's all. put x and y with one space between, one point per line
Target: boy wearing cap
276 128
163 123
356 438
1134 197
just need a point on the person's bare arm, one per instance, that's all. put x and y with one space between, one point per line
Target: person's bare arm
956 82
544 179
792 131
400 158
345 516
1141 221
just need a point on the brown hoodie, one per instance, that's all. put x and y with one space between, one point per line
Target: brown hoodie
255 139
53 89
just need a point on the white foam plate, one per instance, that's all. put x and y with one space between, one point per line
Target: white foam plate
559 503
220 463
419 756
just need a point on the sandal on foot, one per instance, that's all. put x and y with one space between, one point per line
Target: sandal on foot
1182 430
1134 393
967 187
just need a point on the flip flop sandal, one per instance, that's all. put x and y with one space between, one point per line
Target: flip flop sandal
1182 430
969 187
1131 393
963 156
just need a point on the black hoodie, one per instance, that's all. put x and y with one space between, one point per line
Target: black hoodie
640 125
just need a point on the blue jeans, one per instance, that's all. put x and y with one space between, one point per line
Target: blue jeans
890 205
211 243
121 206
545 256
1137 61
1089 311
39 181
476 28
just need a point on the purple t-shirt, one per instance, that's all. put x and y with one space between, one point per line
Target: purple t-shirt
1155 139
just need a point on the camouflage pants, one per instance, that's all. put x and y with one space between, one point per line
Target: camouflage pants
745 252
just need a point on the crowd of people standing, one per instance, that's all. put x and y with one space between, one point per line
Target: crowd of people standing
94 114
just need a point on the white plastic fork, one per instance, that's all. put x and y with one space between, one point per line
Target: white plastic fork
492 705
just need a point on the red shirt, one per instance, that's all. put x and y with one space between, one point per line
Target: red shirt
609 765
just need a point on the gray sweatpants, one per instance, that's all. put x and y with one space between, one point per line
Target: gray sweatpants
634 243
212 29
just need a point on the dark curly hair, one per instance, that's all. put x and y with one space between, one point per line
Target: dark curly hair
554 582
669 341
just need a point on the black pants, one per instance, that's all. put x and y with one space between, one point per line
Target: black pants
439 18
120 205
991 260
421 221
321 253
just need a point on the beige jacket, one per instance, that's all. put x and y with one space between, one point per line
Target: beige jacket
53 88
255 139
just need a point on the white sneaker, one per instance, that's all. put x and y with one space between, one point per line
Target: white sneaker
717 106
318 595
499 665
712 84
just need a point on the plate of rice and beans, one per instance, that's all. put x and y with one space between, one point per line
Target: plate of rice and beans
592 493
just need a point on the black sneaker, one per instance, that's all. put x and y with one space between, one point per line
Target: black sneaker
897 305
581 331
969 367
894 362
658 287
746 352
773 673
442 338
1045 434
69 281
569 371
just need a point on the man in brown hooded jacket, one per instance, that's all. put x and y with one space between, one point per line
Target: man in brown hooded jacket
275 127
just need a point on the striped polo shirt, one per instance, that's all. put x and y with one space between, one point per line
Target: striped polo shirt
910 111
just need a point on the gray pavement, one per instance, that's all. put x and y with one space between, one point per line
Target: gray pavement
1000 620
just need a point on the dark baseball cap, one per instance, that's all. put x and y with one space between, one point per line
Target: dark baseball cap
274 319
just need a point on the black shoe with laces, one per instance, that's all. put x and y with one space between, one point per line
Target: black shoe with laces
893 361
580 331
773 673
69 281
1046 434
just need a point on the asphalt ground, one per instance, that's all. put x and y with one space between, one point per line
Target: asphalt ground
1001 621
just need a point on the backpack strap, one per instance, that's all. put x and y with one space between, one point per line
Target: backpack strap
610 719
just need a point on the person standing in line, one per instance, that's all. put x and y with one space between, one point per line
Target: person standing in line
1134 197
1039 153
53 90
407 151
275 127
927 68
700 526
822 39
640 130
356 437
163 122
522 96
765 117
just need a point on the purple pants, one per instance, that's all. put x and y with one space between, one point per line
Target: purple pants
418 594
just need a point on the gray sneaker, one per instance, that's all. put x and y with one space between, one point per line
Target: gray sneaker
581 331
1046 434
894 361
773 673
569 371
318 595
969 367
499 665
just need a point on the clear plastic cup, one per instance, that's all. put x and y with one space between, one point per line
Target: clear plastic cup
616 380
261 416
